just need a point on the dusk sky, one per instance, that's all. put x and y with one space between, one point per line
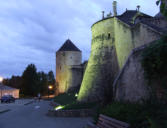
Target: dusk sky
31 31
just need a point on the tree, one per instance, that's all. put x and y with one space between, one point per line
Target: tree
32 82
163 6
30 86
14 81
51 79
43 83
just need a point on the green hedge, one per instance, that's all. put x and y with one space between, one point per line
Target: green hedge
148 115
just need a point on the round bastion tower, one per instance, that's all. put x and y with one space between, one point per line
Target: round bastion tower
66 57
102 66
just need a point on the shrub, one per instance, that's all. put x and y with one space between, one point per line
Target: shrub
154 59
147 115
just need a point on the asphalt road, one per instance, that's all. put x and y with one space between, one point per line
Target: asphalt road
30 116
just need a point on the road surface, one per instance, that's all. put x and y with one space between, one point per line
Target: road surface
31 116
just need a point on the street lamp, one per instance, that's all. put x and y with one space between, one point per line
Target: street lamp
1 79
50 87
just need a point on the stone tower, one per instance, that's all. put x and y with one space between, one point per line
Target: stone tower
102 65
68 61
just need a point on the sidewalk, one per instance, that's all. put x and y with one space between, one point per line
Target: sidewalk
18 102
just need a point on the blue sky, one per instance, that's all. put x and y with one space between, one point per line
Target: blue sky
32 30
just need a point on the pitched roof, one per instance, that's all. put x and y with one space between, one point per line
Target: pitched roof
129 15
4 87
69 46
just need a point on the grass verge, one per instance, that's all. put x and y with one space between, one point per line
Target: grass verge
66 98
68 101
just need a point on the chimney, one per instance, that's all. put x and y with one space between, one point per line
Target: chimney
138 8
115 8
102 14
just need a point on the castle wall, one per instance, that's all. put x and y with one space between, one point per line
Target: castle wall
102 66
143 34
75 76
123 41
160 22
64 59
112 42
130 83
128 38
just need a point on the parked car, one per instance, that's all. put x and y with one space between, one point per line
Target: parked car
7 99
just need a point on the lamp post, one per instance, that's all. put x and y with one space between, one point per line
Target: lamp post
49 88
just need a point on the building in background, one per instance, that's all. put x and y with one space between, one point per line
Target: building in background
6 90
69 68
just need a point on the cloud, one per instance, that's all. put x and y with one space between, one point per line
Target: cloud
32 30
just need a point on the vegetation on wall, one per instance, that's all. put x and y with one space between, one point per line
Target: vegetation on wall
154 59
155 70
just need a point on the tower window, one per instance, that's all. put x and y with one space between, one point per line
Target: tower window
109 36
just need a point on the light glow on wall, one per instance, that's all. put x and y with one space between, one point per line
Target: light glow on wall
76 95
59 107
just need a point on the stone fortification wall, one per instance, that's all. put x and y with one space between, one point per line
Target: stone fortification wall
75 76
143 34
112 42
102 66
123 41
130 85
64 59
128 38
160 22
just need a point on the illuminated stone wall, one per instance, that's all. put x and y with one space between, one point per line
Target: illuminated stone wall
65 59
123 41
102 65
128 38
112 42
131 85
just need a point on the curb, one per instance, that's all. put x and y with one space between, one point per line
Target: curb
71 113
3 111
29 103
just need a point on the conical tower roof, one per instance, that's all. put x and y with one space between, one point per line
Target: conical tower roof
69 46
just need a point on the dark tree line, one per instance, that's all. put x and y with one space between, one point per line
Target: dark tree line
32 82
